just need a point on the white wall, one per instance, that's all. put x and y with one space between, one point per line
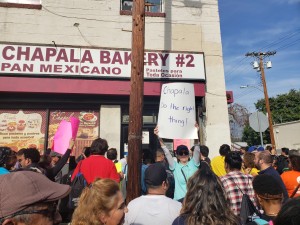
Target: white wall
287 135
110 124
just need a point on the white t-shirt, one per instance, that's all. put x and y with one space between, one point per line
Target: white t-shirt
152 209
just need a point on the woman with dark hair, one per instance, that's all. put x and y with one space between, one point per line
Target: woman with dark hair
205 202
101 203
291 179
7 160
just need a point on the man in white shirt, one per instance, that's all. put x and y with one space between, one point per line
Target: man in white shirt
155 207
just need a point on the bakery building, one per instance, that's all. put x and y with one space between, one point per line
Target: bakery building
73 59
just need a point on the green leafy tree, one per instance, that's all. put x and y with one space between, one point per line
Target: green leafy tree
253 138
284 107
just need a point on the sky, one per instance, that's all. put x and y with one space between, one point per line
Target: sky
260 26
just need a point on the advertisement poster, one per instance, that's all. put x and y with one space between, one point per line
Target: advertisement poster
22 129
88 129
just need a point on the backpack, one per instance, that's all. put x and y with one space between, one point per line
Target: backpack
248 210
77 186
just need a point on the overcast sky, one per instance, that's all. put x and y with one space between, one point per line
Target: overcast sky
260 25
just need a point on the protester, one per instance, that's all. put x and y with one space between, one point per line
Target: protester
289 213
155 207
160 158
236 183
282 161
29 158
263 161
96 165
112 155
29 198
101 203
249 165
243 150
205 201
184 168
269 195
204 151
217 163
291 179
7 160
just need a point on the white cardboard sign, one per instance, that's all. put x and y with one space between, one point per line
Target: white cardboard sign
177 112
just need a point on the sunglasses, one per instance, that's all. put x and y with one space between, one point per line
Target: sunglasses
183 153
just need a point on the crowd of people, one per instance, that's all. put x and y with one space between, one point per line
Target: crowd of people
187 188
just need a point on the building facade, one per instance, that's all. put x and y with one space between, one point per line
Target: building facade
72 58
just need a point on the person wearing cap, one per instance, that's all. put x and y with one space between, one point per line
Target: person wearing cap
155 207
7 160
263 161
29 198
184 168
269 195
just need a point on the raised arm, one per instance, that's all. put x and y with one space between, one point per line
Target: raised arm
196 155
165 149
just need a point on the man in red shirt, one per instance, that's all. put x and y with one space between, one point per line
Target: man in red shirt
96 165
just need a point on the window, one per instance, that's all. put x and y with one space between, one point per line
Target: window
31 4
152 7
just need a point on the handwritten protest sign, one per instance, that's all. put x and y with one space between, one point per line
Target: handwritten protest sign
177 113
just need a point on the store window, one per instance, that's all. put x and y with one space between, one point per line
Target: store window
31 4
152 7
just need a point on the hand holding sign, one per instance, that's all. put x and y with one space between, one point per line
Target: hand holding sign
176 118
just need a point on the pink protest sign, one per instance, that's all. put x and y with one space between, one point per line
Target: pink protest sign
74 125
62 137
185 142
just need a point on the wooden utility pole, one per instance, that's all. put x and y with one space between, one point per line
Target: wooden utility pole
263 79
136 101
260 56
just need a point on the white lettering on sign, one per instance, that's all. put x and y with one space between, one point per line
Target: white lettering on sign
63 61
176 118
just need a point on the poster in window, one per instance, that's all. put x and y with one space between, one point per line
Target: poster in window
88 128
23 129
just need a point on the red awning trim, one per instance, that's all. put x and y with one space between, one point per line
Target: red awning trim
80 86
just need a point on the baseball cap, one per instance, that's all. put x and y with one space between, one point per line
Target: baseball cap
21 189
155 174
181 148
251 149
260 149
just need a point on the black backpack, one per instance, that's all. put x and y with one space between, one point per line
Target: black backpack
248 211
77 186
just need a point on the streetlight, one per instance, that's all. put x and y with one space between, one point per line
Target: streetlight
251 86
260 56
